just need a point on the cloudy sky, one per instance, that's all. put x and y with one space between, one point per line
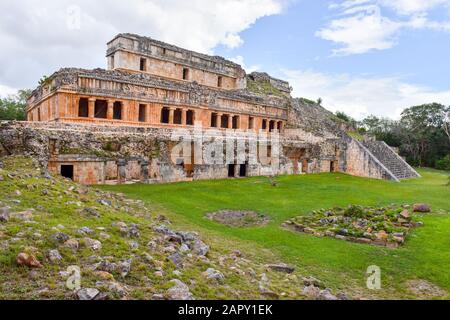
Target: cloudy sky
360 56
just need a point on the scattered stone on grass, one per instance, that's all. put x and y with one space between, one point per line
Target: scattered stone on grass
386 226
238 219
425 289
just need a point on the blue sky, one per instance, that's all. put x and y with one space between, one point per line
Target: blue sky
360 56
289 40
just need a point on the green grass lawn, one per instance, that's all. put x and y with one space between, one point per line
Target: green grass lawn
342 265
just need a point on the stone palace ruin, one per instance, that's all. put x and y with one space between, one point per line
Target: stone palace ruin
118 125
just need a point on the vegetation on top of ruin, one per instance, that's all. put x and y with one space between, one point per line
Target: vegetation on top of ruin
263 87
339 264
356 135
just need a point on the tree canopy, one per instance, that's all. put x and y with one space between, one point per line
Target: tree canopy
13 107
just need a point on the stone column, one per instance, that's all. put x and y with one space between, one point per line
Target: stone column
237 171
125 110
110 112
144 171
91 107
171 114
147 113
230 121
183 116
121 171
219 120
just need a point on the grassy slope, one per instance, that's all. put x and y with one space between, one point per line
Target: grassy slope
58 206
341 264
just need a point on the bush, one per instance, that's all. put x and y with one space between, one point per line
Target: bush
443 164
354 212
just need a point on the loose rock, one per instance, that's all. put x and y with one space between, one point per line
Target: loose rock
180 291
54 256
92 244
87 294
124 267
421 207
28 260
281 268
60 237
200 248
72 244
4 214
212 274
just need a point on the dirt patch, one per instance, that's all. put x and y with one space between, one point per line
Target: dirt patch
425 289
238 219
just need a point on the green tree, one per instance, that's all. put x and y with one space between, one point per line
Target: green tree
13 107
423 133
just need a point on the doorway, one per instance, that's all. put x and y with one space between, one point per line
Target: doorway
67 171
332 166
231 168
243 170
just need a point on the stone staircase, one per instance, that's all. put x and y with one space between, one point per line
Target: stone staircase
391 160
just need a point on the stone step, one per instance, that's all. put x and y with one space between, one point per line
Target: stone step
390 160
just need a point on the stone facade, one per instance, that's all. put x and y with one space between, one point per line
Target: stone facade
120 125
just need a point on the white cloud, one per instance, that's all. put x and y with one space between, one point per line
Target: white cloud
361 27
6 91
366 29
361 96
249 69
408 7
39 37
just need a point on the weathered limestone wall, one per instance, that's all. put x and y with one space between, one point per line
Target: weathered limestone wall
131 62
125 51
95 152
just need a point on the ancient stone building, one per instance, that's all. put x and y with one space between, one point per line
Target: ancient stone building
125 123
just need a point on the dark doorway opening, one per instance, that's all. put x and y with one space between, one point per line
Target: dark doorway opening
243 170
185 74
142 112
178 116
83 108
190 118
165 115
101 109
224 121
143 64
117 110
67 171
214 120
231 168
332 166
235 122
